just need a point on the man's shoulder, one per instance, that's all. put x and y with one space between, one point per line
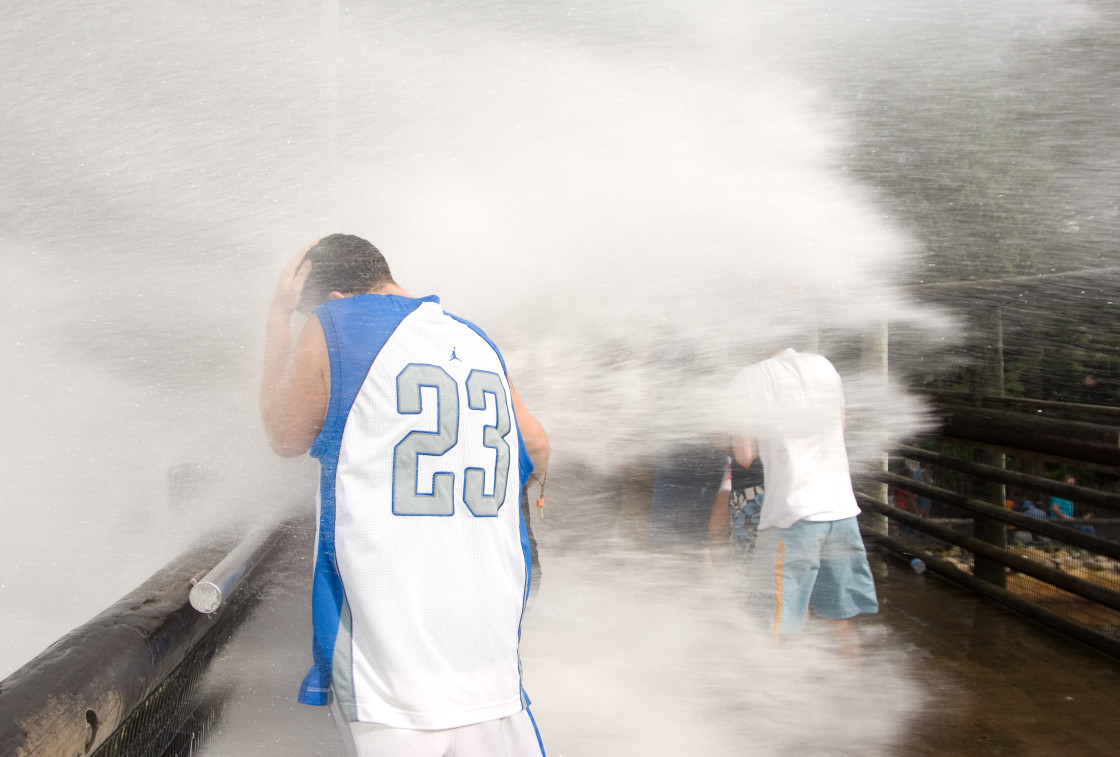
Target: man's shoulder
766 368
376 308
814 359
819 363
749 374
471 325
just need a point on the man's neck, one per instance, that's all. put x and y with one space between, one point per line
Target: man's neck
390 288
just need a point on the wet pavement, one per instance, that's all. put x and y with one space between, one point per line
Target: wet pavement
630 653
997 683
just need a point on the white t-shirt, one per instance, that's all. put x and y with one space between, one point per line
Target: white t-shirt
793 406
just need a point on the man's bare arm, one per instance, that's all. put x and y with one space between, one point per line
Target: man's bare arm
746 450
533 434
719 520
295 384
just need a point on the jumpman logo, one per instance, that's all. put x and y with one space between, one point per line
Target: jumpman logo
454 356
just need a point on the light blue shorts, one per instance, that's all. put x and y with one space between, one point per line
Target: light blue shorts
817 565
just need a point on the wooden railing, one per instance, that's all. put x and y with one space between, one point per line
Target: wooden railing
1062 572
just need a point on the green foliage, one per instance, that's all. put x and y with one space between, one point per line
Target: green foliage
1004 172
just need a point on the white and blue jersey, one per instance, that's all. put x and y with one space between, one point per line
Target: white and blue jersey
422 559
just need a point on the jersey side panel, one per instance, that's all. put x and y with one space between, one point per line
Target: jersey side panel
354 332
428 530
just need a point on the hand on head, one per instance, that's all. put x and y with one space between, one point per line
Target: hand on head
289 287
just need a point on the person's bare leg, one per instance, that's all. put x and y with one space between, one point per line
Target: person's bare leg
848 637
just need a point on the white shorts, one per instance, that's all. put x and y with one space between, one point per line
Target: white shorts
514 736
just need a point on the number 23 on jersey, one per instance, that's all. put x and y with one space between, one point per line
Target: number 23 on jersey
483 389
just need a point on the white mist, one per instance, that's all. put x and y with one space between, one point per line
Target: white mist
630 199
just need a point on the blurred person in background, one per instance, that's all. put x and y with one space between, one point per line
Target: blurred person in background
737 510
1062 509
809 555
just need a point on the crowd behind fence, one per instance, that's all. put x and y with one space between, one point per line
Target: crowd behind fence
1023 511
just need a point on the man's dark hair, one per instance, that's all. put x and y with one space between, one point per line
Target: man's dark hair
343 263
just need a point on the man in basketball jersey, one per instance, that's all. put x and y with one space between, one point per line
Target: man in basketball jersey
422 564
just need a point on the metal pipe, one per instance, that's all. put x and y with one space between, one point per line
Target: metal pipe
80 692
207 594
69 699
